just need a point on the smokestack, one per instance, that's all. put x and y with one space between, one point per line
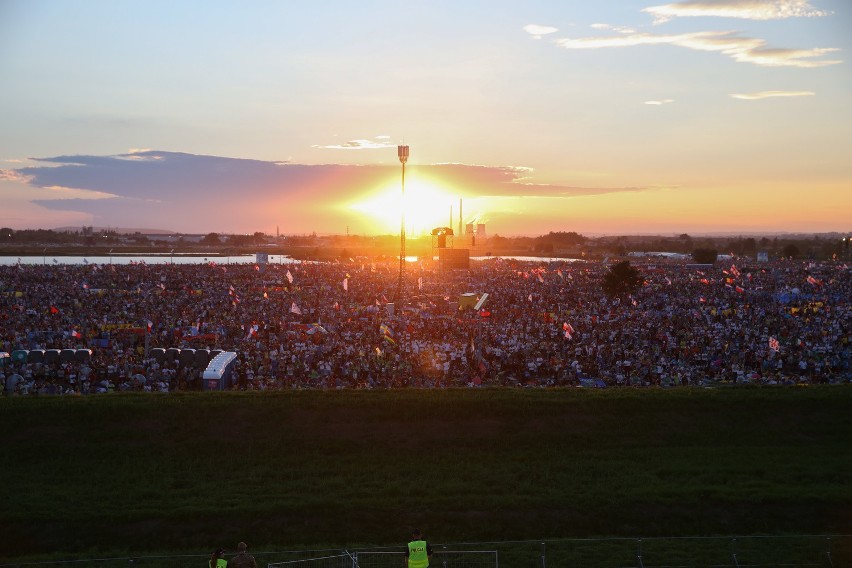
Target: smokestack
460 217
451 216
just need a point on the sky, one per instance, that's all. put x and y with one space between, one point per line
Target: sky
615 117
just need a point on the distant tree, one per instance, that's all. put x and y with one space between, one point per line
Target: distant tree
139 238
790 250
704 255
562 238
240 240
499 242
6 234
211 239
622 279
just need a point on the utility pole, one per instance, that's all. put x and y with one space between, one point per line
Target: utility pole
402 152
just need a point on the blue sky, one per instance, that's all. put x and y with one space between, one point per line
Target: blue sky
601 117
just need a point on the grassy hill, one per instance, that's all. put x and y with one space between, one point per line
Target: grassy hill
182 472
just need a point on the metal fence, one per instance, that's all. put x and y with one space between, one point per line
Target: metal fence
825 551
442 558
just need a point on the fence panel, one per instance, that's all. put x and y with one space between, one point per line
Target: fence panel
828 551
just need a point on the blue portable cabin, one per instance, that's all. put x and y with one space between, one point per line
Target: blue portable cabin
219 374
5 359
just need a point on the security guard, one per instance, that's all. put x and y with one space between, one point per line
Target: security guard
419 553
217 560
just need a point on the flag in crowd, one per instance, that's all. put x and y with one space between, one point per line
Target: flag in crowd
774 344
295 309
387 333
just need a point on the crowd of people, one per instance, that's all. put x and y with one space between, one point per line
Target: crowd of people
351 325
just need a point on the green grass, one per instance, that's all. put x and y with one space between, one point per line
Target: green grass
185 472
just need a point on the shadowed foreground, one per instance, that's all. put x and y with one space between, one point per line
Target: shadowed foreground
189 472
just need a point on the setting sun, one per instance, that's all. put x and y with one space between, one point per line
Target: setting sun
427 206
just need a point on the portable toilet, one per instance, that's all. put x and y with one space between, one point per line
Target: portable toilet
158 354
202 358
5 359
35 356
67 355
19 356
219 372
187 357
51 356
82 355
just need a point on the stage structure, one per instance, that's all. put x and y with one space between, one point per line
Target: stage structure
449 259
442 237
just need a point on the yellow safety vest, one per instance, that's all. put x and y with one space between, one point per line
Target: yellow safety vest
417 554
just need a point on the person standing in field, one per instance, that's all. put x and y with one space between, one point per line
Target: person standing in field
243 559
217 559
419 553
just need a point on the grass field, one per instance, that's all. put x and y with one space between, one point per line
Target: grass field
189 472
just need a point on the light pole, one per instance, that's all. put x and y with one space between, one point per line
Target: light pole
402 152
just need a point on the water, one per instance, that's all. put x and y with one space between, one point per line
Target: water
167 258
146 258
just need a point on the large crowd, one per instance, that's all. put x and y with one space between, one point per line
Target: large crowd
351 325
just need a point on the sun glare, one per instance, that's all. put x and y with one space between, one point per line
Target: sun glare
426 206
